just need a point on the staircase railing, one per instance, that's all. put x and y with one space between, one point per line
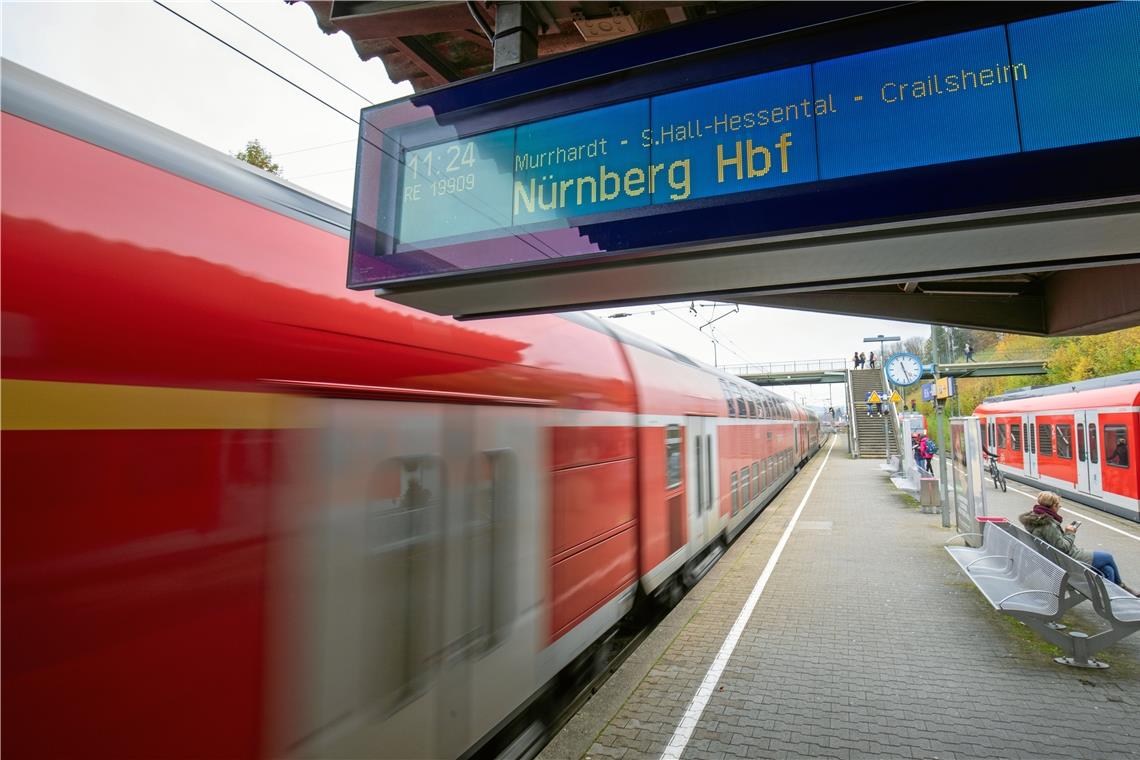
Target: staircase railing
896 420
852 417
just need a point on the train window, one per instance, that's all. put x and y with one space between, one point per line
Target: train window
732 484
405 499
756 477
491 546
1031 439
672 456
745 487
741 407
1001 436
1116 452
1065 441
1094 451
1080 442
751 407
726 390
699 455
1045 439
1015 436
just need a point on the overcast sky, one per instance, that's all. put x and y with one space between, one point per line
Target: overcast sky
145 60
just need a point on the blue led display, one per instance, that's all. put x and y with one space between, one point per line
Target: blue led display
1084 83
947 99
1067 79
747 134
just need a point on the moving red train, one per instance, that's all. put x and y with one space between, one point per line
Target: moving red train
247 512
1078 439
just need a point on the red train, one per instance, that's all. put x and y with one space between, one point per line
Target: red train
1078 439
250 513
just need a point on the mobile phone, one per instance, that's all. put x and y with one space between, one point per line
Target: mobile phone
1075 523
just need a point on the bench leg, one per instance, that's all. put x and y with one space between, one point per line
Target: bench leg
1080 649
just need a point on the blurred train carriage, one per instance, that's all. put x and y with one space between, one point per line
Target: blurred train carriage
247 512
1078 439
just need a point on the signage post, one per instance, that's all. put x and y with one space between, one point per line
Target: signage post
942 484
969 487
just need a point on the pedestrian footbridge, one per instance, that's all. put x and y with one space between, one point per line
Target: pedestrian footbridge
817 371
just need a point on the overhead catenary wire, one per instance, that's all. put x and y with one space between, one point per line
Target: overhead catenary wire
522 238
313 147
247 56
293 53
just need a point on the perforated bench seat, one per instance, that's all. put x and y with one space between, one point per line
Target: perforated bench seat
1011 575
1036 583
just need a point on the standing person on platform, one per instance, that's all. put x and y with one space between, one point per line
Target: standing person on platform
969 353
929 449
1044 521
872 360
855 360
862 360
916 451
913 406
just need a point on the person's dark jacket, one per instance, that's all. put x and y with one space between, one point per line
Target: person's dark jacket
1051 532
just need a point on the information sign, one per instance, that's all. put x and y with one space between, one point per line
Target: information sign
1062 80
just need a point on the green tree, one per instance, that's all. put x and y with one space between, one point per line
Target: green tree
255 154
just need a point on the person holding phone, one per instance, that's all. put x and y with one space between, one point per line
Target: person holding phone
1044 521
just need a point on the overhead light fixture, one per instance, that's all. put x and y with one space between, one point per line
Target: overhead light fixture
936 292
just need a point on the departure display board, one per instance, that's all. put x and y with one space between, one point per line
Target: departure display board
1066 79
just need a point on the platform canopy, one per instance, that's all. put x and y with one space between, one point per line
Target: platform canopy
956 164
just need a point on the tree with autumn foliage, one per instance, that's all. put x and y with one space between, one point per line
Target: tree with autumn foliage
255 154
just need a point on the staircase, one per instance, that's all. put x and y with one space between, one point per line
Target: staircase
875 436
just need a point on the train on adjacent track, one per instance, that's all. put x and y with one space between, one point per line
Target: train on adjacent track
250 513
1078 439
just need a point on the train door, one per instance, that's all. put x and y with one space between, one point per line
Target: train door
412 567
1088 456
1029 443
700 434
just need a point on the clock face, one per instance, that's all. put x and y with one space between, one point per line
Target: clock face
904 369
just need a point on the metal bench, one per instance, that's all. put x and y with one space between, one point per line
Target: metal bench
1027 585
1119 609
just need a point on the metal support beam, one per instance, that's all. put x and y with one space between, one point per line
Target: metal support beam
516 34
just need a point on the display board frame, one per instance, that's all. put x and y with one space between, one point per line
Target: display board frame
615 74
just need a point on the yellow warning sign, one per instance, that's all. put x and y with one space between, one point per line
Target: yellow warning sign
875 398
895 397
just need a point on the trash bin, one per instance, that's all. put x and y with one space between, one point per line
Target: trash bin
928 494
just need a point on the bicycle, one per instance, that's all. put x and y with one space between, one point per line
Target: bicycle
996 474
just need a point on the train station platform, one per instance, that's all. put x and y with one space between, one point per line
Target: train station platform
864 640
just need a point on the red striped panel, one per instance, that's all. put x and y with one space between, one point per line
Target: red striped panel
573 446
589 501
585 581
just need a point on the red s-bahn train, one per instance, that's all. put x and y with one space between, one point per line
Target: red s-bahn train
250 513
1078 439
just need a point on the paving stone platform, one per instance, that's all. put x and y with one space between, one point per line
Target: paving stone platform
867 642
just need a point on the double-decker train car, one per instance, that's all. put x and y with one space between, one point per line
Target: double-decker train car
250 513
1078 439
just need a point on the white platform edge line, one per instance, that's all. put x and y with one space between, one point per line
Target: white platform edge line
696 707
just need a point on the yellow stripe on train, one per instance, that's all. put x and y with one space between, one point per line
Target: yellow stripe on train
48 405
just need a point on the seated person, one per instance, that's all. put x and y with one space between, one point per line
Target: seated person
1044 521
1119 455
